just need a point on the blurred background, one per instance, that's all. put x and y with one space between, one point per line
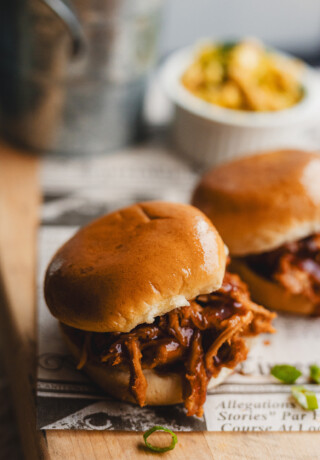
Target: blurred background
291 25
71 66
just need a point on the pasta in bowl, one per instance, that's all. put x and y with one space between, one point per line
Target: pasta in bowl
267 106
245 76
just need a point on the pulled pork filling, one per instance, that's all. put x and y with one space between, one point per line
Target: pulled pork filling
296 266
197 340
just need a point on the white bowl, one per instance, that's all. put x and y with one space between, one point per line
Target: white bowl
208 134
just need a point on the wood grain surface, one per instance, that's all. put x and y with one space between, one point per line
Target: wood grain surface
19 208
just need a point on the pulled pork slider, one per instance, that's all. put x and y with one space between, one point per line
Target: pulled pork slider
146 307
267 209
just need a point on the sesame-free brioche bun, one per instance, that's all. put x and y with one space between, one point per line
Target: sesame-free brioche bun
270 293
133 265
260 202
163 388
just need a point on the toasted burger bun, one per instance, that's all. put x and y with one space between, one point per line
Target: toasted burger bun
260 202
271 294
133 265
163 388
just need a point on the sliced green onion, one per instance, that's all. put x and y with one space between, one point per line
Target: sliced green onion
285 373
315 373
174 439
307 399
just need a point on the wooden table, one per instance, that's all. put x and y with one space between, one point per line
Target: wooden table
20 196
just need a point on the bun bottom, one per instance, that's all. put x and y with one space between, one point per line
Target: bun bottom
271 294
163 388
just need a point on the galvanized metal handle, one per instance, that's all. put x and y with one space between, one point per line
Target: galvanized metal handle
71 21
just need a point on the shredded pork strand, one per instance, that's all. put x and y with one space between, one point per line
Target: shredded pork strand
295 265
138 383
197 376
197 340
234 325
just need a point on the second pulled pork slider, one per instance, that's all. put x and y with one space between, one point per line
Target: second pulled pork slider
267 209
146 306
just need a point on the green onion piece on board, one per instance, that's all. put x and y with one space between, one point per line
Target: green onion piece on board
174 439
307 399
315 373
285 373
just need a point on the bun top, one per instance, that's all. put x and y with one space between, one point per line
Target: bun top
130 266
260 202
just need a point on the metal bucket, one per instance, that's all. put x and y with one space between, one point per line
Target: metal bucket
72 77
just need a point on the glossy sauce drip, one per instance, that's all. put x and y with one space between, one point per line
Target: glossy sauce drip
221 304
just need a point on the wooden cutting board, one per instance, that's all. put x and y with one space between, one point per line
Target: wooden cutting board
20 197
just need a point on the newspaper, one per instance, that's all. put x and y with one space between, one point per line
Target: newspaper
75 192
